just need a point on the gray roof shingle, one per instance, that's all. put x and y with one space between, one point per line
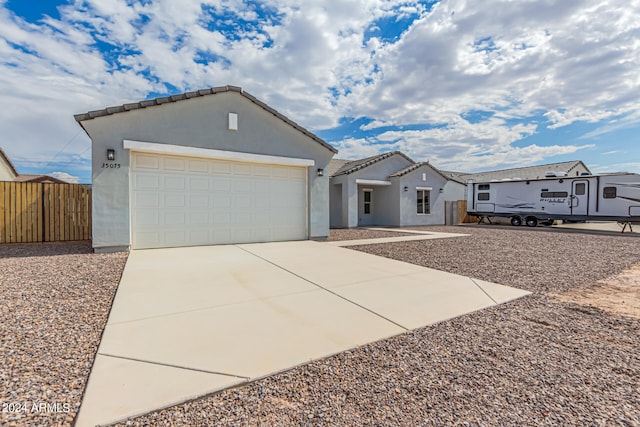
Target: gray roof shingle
357 165
413 167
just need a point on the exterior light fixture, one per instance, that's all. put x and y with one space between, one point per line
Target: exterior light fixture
442 190
320 172
111 154
406 188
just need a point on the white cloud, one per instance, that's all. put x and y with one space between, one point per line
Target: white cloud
566 61
65 177
353 149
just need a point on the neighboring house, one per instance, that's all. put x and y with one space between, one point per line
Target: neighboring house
390 190
8 172
573 168
46 179
214 166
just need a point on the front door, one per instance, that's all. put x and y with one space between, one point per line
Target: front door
365 210
580 197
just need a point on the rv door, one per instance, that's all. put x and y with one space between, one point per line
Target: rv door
580 197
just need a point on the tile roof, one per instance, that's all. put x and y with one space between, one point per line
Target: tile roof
530 172
189 95
4 156
357 165
335 165
419 165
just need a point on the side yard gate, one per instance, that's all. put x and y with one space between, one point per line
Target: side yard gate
43 212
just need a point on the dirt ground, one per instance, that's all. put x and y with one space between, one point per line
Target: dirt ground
619 294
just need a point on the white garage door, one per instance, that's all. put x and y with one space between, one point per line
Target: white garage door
186 201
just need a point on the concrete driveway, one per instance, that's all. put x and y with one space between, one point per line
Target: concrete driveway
190 321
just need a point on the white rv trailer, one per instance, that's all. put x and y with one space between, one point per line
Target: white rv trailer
607 197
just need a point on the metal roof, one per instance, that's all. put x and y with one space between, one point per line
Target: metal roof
189 95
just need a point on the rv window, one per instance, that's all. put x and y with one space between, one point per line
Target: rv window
581 189
483 187
483 196
609 192
553 194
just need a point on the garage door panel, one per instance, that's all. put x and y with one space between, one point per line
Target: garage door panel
199 184
174 201
199 201
175 164
142 161
145 181
198 166
198 218
146 200
241 168
221 184
174 183
175 238
174 218
182 201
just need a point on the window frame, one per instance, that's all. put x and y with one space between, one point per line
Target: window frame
609 192
423 201
366 208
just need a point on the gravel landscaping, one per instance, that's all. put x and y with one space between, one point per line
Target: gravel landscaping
539 360
55 301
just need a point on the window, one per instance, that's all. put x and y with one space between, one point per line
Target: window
609 192
367 202
483 196
483 187
553 194
581 189
424 206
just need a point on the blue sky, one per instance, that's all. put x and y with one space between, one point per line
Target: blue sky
469 86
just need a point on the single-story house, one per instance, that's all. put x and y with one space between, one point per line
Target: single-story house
215 166
389 189
8 172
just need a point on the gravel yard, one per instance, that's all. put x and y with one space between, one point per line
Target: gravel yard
55 302
540 360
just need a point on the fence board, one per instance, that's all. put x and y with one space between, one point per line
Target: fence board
37 212
463 216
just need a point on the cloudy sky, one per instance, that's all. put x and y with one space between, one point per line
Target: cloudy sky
467 85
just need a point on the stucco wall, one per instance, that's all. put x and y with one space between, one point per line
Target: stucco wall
385 198
199 122
408 199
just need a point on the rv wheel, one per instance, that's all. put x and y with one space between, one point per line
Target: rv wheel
516 221
532 221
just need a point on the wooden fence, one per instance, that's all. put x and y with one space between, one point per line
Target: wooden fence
42 212
463 217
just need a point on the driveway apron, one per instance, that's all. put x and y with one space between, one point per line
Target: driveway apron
191 321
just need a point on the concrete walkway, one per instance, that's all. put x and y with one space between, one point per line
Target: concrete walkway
413 235
191 321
